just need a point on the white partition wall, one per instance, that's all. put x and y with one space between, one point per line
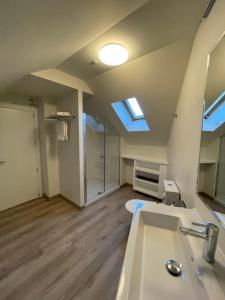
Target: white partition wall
62 161
71 179
49 149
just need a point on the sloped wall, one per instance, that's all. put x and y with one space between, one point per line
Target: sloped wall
184 142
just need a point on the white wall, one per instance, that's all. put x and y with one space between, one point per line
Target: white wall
184 142
207 179
210 150
127 165
155 152
71 178
221 172
48 144
49 150
61 162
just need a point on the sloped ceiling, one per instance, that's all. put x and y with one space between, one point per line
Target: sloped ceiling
162 33
35 87
40 34
37 35
155 79
150 27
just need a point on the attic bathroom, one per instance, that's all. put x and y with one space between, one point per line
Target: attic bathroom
112 146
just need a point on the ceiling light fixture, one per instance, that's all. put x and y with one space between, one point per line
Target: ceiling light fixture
113 54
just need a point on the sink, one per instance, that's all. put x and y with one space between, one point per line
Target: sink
154 239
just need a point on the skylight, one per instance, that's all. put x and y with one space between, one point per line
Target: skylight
131 115
214 116
134 108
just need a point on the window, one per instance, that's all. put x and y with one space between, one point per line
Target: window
134 108
94 123
214 116
131 115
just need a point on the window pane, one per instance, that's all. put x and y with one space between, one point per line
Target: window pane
214 116
135 107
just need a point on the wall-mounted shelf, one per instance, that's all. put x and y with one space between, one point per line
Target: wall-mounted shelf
56 118
207 161
145 158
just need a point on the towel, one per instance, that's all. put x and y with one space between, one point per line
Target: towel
62 131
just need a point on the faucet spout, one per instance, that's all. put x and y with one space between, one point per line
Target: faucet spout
193 232
210 236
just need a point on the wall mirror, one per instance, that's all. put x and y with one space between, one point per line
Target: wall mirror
211 175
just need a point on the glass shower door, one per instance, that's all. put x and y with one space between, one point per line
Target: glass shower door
102 156
112 157
220 188
94 156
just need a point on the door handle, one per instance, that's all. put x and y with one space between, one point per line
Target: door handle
2 162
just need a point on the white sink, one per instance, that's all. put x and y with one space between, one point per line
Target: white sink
155 238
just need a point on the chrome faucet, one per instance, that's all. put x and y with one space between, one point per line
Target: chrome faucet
210 236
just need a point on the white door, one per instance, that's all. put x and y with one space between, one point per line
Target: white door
19 179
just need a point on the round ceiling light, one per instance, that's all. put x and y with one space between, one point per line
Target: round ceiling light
113 54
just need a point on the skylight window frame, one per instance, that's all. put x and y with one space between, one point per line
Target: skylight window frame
130 109
218 102
213 117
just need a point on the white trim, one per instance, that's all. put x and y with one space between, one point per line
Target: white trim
81 145
37 136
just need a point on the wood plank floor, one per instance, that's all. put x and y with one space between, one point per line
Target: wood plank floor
50 250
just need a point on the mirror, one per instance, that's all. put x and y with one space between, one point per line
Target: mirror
211 175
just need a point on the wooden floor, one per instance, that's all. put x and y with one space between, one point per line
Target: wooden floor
51 250
211 203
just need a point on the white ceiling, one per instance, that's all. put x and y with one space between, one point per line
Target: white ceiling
153 25
40 34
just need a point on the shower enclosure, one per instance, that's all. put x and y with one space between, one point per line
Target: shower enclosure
102 157
220 187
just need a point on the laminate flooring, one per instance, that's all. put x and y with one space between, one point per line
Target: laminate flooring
50 250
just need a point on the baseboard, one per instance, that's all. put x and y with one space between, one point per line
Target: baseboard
50 198
126 184
72 203
64 198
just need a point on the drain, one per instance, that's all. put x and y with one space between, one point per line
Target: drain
173 267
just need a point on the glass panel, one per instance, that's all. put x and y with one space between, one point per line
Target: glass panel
220 189
134 108
112 157
94 156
